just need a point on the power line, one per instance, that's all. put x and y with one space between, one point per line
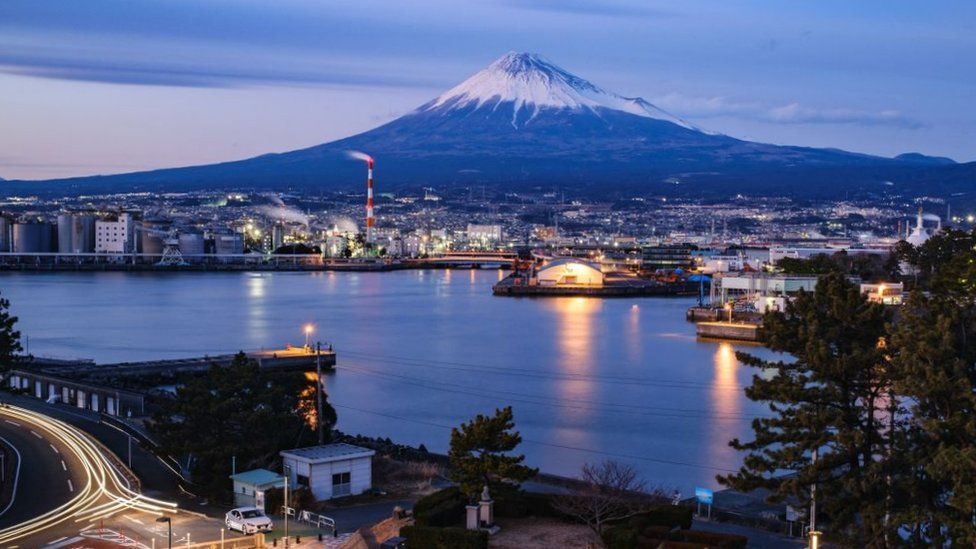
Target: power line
467 367
540 401
550 444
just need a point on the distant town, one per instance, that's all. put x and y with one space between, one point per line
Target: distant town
641 233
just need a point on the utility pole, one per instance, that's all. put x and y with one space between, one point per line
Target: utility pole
318 391
814 534
286 510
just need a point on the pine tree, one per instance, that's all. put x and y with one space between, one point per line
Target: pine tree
236 412
933 349
827 397
10 347
480 452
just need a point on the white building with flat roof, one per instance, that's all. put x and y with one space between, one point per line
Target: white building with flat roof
116 236
330 471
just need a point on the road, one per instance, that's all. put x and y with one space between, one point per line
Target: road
69 484
44 480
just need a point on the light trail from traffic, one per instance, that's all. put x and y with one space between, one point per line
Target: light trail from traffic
106 490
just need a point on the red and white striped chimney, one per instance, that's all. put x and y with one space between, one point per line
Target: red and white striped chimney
370 220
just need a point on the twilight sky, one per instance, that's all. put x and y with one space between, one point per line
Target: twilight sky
106 86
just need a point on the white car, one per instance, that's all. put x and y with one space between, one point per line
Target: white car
248 520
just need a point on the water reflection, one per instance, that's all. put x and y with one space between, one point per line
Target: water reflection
576 346
726 402
635 342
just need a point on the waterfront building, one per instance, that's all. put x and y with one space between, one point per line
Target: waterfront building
115 235
763 292
484 234
329 471
886 293
570 272
667 258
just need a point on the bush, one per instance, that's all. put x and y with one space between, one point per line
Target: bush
619 538
299 499
424 537
670 516
714 539
442 508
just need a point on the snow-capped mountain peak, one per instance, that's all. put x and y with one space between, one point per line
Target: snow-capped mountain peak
531 83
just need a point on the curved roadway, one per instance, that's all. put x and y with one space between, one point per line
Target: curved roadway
66 481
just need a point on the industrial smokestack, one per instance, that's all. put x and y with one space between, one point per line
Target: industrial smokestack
370 220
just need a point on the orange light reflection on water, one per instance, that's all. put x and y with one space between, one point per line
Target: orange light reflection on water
726 402
576 347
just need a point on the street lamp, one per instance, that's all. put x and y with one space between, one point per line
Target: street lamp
308 329
169 523
728 307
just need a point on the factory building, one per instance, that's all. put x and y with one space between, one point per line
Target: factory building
115 236
570 272
484 233
228 243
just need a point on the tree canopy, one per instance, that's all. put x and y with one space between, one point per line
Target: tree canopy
481 449
237 411
827 398
10 347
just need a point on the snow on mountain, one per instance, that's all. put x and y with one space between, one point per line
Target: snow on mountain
530 83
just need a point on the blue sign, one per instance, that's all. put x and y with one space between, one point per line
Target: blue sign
704 495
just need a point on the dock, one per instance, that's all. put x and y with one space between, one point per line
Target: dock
287 359
108 388
614 286
737 331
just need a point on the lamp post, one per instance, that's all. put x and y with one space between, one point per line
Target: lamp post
728 307
308 329
169 523
318 392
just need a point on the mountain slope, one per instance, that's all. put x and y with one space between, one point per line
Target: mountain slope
523 121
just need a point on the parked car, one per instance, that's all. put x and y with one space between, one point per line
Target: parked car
248 520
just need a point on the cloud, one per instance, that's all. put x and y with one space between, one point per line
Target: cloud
94 68
790 113
613 8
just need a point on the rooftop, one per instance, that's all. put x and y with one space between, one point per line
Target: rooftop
258 477
328 452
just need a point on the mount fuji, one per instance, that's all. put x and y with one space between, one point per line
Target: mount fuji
523 122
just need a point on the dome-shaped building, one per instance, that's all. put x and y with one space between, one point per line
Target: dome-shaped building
570 272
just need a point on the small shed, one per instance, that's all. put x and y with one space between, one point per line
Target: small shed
330 470
250 486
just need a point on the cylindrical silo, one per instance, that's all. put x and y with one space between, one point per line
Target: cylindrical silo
83 234
153 234
191 244
65 222
33 237
6 226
